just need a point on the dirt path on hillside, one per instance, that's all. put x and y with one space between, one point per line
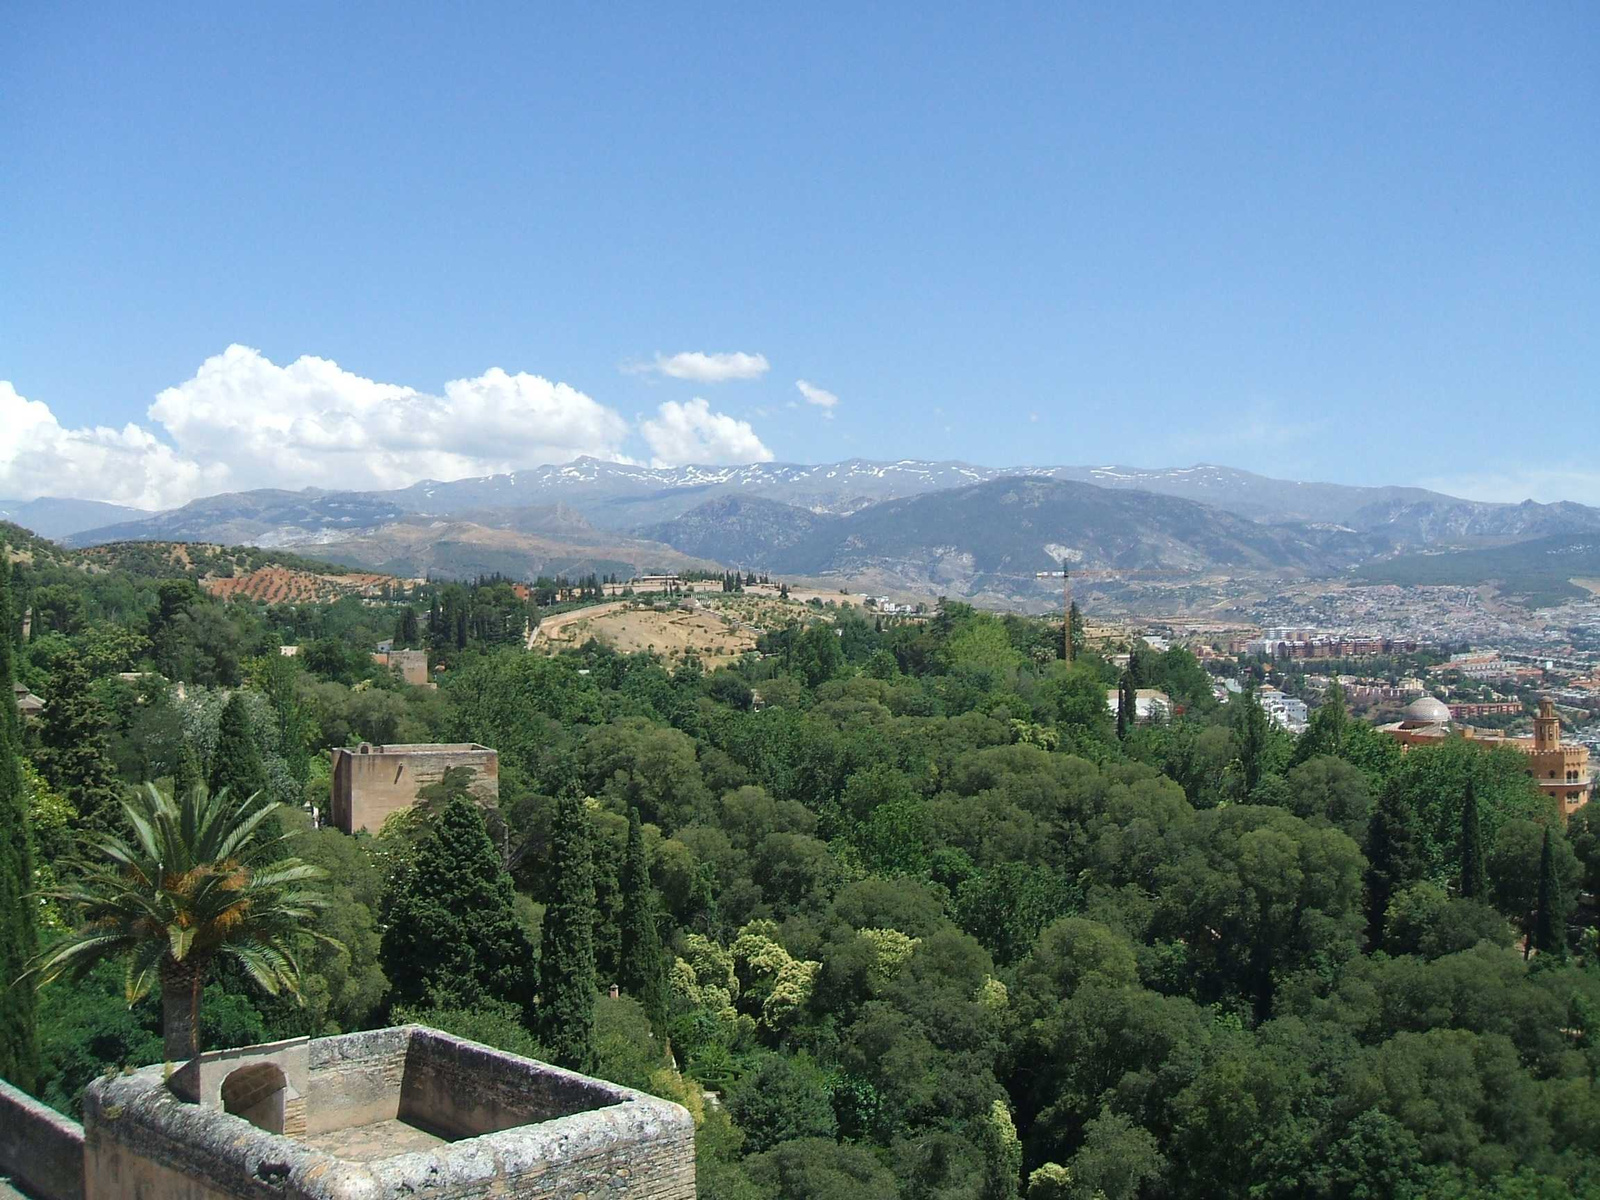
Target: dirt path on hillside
555 624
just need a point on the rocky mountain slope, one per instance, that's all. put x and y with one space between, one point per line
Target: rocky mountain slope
420 547
624 497
266 517
994 538
1539 572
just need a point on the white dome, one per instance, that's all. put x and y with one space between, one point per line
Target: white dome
1425 710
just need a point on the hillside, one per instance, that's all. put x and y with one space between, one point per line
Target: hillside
464 550
743 531
993 538
1540 572
279 585
763 513
267 517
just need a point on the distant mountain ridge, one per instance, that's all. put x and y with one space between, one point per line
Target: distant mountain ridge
993 539
627 497
911 524
59 517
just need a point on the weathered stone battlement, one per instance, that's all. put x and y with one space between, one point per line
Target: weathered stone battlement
372 782
385 1114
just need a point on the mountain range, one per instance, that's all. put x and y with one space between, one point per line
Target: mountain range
908 524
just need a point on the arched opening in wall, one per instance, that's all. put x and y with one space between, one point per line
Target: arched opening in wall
257 1093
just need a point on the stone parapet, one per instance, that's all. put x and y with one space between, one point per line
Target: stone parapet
509 1128
39 1148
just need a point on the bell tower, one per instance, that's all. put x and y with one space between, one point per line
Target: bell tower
1546 727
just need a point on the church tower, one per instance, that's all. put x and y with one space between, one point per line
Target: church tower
1546 727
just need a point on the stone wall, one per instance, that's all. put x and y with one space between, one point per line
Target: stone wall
577 1137
370 783
39 1148
356 1079
461 1089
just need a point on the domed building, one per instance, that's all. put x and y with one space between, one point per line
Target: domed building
1425 711
1561 769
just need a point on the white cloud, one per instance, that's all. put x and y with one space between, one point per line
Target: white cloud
244 422
700 367
821 397
692 433
313 423
1546 484
39 457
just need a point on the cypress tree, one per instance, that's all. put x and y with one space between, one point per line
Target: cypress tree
186 775
1393 856
1474 875
236 762
451 933
19 937
641 971
567 979
1074 631
1127 705
75 754
1250 738
1550 919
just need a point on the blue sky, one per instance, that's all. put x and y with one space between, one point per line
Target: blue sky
1347 242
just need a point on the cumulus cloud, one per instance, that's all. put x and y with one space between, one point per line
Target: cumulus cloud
699 367
821 397
312 422
40 457
243 421
692 433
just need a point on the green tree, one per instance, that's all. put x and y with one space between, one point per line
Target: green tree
821 1169
781 1098
1394 858
1550 917
236 762
1075 638
642 970
74 749
1474 875
1250 737
196 883
451 936
187 775
1127 706
567 969
1325 733
19 1057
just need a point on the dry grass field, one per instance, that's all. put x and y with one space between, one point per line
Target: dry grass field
672 634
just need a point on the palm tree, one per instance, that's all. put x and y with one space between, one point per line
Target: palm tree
193 884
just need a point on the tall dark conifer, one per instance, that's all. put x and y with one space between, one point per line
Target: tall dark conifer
452 937
236 762
566 968
1550 918
1127 705
186 775
642 971
19 938
1394 858
1474 875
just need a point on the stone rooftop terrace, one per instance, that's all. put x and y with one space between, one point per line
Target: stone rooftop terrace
395 1112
